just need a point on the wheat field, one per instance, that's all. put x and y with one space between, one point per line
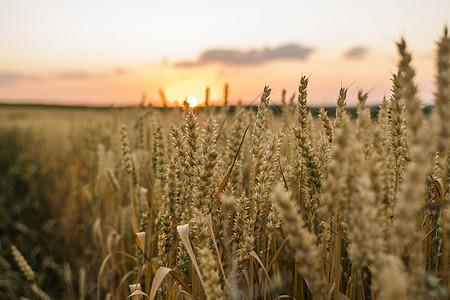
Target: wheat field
231 202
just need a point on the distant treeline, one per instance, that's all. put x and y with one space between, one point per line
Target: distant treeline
277 109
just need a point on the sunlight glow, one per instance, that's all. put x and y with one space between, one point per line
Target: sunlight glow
192 101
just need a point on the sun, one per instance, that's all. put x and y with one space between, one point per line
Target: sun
192 101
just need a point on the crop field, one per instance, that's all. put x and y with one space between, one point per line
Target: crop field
230 202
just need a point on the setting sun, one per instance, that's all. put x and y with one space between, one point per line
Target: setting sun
192 101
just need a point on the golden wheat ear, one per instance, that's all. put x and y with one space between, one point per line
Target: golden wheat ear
28 273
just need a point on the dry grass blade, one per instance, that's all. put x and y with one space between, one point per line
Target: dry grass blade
430 232
338 235
274 259
125 278
187 294
181 281
245 280
282 174
223 184
159 277
252 253
183 231
224 246
138 293
307 281
211 233
140 240
438 189
102 267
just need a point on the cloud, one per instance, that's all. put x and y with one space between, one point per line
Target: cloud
7 78
11 78
357 52
122 71
119 71
251 57
72 75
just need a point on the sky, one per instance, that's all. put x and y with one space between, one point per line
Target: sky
113 52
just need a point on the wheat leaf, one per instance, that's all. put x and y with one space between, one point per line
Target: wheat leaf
159 277
183 231
252 253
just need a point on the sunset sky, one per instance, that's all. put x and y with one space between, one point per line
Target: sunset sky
111 52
